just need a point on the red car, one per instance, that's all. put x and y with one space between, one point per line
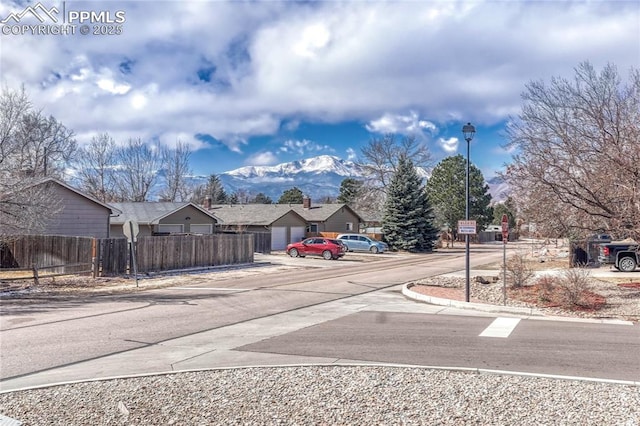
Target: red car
325 247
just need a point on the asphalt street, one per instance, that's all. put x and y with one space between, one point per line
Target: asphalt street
333 313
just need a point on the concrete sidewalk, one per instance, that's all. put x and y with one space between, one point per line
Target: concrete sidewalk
215 348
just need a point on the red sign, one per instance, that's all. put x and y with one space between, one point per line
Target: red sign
505 228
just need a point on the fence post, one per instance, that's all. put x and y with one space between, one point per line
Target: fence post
94 259
35 274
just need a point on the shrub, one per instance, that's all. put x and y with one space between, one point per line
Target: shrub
547 285
518 270
574 284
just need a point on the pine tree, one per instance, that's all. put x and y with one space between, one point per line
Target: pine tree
291 196
350 190
408 218
447 193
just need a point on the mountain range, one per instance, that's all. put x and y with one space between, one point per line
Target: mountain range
318 177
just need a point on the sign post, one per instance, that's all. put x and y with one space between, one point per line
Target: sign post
130 229
505 238
467 227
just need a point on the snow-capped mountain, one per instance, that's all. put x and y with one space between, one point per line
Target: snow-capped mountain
499 190
319 177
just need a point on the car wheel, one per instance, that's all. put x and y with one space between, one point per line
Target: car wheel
373 249
294 252
327 255
627 264
346 248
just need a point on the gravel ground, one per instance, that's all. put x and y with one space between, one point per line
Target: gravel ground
337 395
328 396
621 303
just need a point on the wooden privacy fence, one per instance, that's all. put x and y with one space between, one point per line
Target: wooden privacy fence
165 253
111 256
55 254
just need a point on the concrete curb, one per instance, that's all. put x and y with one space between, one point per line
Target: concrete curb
470 370
528 312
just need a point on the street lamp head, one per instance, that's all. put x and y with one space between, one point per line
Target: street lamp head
468 131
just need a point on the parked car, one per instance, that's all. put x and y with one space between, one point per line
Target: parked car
624 256
359 242
326 247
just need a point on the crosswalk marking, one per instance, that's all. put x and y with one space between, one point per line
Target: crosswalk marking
500 327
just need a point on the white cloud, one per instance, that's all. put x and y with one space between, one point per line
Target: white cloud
272 62
265 158
301 147
449 145
409 124
351 154
314 38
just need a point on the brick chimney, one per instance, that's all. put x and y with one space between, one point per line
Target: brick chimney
306 202
207 202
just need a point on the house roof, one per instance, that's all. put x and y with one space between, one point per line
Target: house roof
109 207
321 212
251 214
149 213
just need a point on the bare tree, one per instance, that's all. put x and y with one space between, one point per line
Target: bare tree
96 166
138 170
381 157
578 164
379 164
176 172
31 142
45 147
30 147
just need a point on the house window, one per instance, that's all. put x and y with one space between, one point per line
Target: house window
312 227
349 226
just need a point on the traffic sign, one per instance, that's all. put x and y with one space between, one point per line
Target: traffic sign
505 228
130 229
467 227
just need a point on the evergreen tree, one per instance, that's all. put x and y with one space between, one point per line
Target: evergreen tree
446 191
261 198
408 218
233 198
508 208
291 196
350 189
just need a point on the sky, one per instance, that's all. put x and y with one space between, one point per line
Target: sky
265 82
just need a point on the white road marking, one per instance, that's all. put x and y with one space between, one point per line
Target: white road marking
209 288
500 327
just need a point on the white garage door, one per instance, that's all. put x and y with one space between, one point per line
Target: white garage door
297 233
173 229
202 229
278 238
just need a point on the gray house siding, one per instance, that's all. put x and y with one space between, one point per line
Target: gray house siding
154 218
186 217
117 230
78 216
338 222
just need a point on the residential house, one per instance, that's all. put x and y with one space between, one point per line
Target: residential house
337 218
281 220
163 218
72 212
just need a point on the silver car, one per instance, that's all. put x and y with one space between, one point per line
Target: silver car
359 242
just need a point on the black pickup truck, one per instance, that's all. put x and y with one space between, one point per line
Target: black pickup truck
623 256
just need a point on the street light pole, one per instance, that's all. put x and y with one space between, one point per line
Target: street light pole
468 131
